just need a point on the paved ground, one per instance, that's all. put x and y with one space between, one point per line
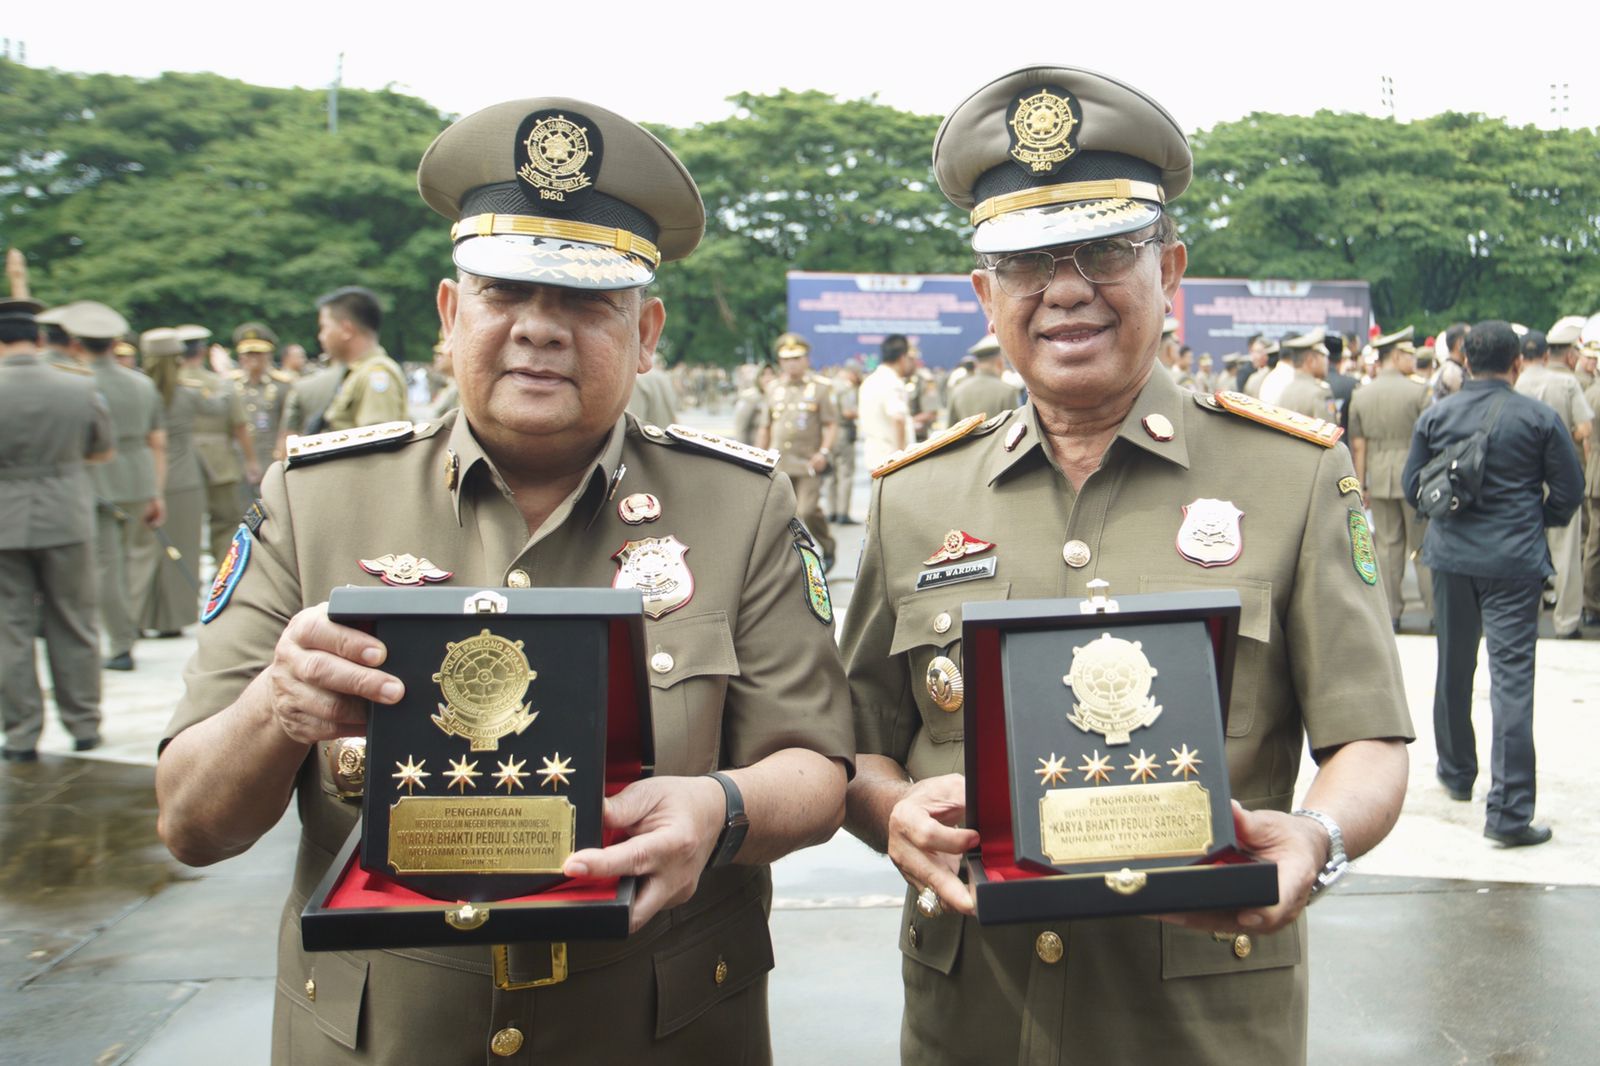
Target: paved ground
1443 949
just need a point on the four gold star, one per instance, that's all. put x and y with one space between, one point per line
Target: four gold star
1184 762
1096 769
410 774
1052 771
511 774
462 772
556 770
1143 766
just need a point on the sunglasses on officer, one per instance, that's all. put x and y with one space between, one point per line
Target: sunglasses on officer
1101 262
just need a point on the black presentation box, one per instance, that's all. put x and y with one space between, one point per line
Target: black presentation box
524 709
1095 769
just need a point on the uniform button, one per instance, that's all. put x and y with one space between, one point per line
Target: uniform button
506 1042
311 990
1076 553
1242 946
941 622
913 935
721 973
661 662
1049 947
518 579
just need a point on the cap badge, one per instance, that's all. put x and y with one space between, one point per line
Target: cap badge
1042 129
556 155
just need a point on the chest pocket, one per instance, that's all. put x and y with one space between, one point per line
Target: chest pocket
689 660
1255 639
927 625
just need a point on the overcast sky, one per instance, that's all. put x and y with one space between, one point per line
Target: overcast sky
677 62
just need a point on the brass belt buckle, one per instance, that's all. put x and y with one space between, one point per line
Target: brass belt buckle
502 969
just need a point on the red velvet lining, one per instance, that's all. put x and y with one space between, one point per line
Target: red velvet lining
624 755
360 889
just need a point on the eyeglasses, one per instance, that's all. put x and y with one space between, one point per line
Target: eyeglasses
1101 262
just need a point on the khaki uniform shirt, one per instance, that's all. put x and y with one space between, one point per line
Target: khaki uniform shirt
1383 413
799 413
982 994
50 419
749 669
1252 384
135 405
373 391
980 394
1309 396
310 396
264 402
653 398
219 414
183 411
1557 387
749 414
1591 457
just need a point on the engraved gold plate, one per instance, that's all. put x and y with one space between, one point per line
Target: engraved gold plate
1110 682
945 686
1157 821
484 679
484 834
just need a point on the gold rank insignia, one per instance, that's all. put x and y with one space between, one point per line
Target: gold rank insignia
1043 129
656 567
906 456
483 680
1316 430
300 451
404 570
763 459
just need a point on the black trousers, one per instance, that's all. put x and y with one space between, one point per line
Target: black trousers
1505 611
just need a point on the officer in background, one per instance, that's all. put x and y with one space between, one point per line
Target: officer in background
52 423
1383 414
983 391
653 401
263 392
371 388
171 599
1342 384
802 428
1591 489
1099 477
221 435
842 475
1270 352
535 481
1307 393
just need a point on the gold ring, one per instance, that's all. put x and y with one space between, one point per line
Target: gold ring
928 903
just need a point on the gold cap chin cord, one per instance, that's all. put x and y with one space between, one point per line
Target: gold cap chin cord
494 225
1070 193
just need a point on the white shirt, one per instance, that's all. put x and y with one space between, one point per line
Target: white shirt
883 407
1276 381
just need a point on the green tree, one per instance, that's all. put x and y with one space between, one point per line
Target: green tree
192 197
1451 217
800 181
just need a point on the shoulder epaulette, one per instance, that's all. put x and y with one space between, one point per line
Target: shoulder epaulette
303 451
282 377
193 382
906 456
234 375
747 455
72 368
1316 430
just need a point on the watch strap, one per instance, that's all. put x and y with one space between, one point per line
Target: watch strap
1338 861
735 823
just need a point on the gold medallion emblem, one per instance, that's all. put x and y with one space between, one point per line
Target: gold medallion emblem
557 150
484 679
945 686
1042 126
1110 681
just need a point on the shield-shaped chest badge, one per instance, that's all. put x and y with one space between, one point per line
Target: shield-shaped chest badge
656 567
1210 534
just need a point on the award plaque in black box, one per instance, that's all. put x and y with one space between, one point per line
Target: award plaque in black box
523 710
1095 769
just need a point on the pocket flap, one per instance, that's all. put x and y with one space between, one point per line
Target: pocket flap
933 942
341 981
693 977
1255 599
696 644
1191 953
920 616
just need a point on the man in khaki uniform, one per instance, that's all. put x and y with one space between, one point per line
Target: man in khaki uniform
1383 413
263 392
52 422
372 388
803 424
1091 480
129 490
1547 377
1270 355
535 481
1308 392
221 435
983 391
1591 502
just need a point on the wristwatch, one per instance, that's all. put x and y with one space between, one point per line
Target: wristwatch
1338 862
735 823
